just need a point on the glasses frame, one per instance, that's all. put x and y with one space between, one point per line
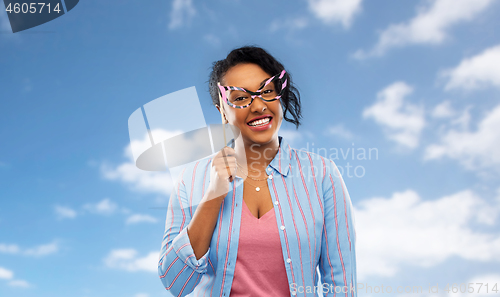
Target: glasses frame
258 93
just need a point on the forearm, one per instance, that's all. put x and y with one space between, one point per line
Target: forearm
202 225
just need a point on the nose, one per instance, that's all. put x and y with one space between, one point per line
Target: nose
258 105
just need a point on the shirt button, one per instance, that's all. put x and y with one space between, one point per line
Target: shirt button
270 176
288 260
282 227
276 202
294 293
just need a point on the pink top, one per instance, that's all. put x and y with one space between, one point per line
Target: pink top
260 269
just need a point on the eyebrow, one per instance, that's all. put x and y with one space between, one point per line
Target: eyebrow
262 83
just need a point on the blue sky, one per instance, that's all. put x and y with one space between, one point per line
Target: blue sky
416 81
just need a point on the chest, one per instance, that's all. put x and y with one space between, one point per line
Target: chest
258 202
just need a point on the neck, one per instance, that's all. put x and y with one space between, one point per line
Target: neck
256 156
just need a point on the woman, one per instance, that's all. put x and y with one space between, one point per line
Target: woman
258 218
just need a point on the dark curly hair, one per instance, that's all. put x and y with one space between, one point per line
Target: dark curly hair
290 101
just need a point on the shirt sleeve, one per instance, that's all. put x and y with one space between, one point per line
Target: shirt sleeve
178 268
338 245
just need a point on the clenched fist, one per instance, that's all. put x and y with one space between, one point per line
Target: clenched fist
222 173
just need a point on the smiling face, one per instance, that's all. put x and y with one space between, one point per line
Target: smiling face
251 77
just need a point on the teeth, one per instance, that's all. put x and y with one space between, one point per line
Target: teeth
260 122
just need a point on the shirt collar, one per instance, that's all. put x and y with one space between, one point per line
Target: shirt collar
282 159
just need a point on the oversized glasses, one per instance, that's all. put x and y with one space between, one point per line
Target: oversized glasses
271 90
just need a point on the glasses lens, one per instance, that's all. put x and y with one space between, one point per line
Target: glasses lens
270 91
238 97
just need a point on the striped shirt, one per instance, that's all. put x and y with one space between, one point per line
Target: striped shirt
313 212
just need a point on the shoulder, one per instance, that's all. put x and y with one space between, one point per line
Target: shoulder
193 173
318 164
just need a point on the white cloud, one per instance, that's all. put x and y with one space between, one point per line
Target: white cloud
19 283
402 121
139 145
443 110
37 251
104 207
140 218
291 23
6 274
477 72
474 149
182 12
42 250
463 119
290 135
9 248
406 230
335 11
141 180
28 85
212 39
429 26
339 130
484 279
64 212
128 260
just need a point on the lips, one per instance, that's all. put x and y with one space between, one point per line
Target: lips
260 120
260 123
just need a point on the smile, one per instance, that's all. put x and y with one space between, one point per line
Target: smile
260 122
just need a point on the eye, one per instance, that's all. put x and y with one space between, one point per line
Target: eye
237 95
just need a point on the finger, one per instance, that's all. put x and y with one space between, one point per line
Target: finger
228 159
229 151
231 168
234 170
225 152
225 162
223 159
